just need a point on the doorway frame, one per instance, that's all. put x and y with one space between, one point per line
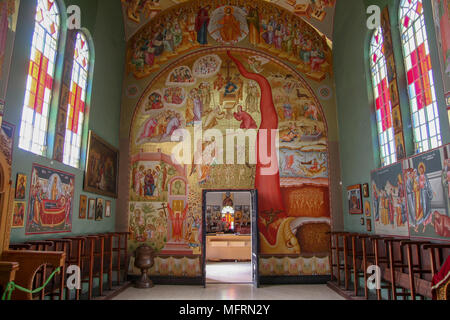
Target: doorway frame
254 233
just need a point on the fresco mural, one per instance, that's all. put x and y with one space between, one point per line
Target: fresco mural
389 201
201 23
50 208
318 13
229 92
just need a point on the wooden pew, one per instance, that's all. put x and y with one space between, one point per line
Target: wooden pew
91 253
396 263
108 258
76 249
62 245
381 258
20 246
416 268
368 258
335 251
41 275
120 240
98 242
30 262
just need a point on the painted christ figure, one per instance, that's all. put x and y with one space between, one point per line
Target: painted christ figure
231 27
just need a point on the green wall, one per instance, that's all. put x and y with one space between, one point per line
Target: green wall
103 18
355 102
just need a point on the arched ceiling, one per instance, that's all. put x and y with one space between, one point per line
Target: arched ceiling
318 13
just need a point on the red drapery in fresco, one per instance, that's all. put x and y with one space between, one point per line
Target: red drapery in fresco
270 200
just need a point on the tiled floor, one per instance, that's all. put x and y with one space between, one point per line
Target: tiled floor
228 272
231 292
235 275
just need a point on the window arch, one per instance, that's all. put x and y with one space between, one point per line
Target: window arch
383 101
38 93
419 72
77 101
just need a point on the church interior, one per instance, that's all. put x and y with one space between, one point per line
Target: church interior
224 149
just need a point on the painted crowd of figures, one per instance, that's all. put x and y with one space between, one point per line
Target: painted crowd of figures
186 27
414 196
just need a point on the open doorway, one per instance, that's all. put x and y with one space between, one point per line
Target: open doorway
230 251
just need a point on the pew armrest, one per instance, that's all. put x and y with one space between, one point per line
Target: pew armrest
30 262
7 272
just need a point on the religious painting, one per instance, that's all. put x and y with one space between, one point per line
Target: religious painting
310 164
101 167
354 197
427 194
228 25
174 97
367 209
65 94
397 119
61 123
150 181
21 186
159 127
99 209
260 24
301 126
391 71
394 92
108 209
137 12
178 188
7 140
181 76
18 218
83 207
369 225
389 201
366 190
148 223
91 209
307 201
59 148
50 204
400 146
225 100
207 66
363 221
154 101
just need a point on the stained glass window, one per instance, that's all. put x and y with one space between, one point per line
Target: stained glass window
383 102
77 102
38 94
419 72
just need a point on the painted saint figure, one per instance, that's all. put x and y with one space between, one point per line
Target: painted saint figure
201 25
177 220
426 195
253 25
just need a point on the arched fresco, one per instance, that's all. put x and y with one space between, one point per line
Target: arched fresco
256 24
224 90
